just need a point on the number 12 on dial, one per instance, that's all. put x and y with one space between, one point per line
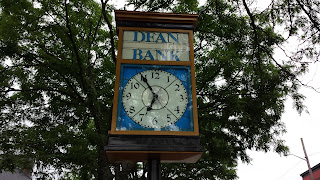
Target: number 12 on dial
155 98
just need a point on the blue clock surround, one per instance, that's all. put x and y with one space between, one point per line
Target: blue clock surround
183 73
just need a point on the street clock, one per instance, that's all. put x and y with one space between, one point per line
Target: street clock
154 106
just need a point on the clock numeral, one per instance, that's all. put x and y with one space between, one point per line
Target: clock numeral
132 110
177 87
181 98
141 116
168 79
128 96
154 121
168 117
135 85
143 77
155 75
177 109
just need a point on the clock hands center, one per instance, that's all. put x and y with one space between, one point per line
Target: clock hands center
158 99
155 95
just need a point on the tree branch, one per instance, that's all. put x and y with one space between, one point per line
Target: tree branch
252 22
291 74
95 34
113 54
75 49
9 89
316 24
49 65
256 44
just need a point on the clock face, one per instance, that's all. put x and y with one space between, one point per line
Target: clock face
155 98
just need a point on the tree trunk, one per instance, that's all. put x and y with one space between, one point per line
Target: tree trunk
104 172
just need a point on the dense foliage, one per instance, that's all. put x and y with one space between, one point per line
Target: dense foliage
57 78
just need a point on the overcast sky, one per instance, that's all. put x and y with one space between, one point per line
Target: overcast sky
272 166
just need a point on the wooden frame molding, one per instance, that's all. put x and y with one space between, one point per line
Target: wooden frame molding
171 18
164 156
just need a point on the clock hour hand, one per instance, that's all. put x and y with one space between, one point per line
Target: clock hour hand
155 96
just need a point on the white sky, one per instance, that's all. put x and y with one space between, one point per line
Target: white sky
271 166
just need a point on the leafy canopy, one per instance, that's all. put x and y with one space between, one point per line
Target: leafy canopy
57 73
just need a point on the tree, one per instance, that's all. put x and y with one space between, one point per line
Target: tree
57 74
56 86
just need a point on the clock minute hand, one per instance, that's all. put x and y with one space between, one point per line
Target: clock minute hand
146 81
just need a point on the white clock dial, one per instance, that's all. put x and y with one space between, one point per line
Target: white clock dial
155 98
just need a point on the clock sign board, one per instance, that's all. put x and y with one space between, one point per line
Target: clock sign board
154 108
162 46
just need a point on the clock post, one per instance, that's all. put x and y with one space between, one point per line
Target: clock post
154 107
